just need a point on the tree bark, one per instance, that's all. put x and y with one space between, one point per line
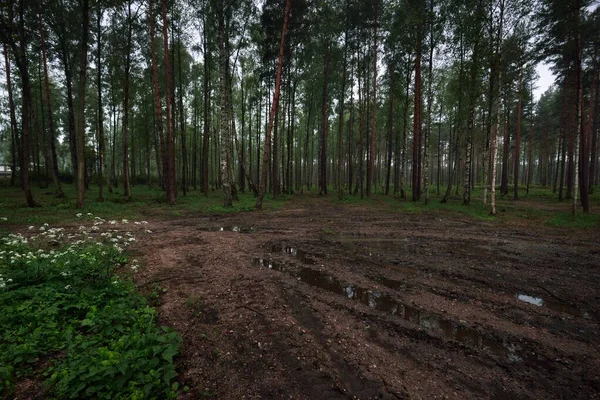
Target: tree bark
390 130
341 121
157 103
20 54
101 140
224 112
170 182
124 141
52 135
373 117
416 178
324 125
583 156
206 134
517 156
13 120
184 158
263 181
81 111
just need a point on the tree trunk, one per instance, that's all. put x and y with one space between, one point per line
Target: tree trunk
124 142
563 137
361 151
263 181
206 134
51 150
224 112
13 120
505 155
429 104
517 156
170 182
20 54
373 118
390 130
184 158
101 139
583 156
325 124
81 110
351 134
416 178
157 104
403 169
341 121
594 123
242 154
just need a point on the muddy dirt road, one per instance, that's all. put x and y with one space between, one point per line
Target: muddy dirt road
321 302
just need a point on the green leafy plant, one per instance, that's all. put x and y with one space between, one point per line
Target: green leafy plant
67 306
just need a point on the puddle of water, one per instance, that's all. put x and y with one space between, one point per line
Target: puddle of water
531 300
551 304
295 252
228 228
447 328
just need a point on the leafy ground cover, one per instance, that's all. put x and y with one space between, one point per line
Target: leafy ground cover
71 316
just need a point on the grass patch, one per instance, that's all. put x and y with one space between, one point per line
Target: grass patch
69 319
144 203
581 221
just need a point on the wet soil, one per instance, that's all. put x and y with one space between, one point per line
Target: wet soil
318 301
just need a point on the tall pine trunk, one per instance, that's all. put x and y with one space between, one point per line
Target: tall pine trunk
416 160
517 156
124 141
324 124
13 120
170 182
263 181
81 109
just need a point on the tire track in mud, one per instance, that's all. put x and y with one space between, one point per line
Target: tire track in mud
279 334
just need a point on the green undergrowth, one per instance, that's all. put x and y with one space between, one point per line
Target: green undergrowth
144 203
539 206
578 221
70 320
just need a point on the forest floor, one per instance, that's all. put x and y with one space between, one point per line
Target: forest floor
322 300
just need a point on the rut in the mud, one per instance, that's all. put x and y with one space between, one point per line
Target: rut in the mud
343 303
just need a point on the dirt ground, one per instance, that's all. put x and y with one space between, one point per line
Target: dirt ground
317 301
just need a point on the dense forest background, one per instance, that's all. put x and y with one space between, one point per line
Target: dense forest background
401 97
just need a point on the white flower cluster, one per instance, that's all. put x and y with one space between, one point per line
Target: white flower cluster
4 281
41 240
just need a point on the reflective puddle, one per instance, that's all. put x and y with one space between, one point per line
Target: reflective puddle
301 255
552 304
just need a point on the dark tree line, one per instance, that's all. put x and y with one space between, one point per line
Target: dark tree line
360 96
